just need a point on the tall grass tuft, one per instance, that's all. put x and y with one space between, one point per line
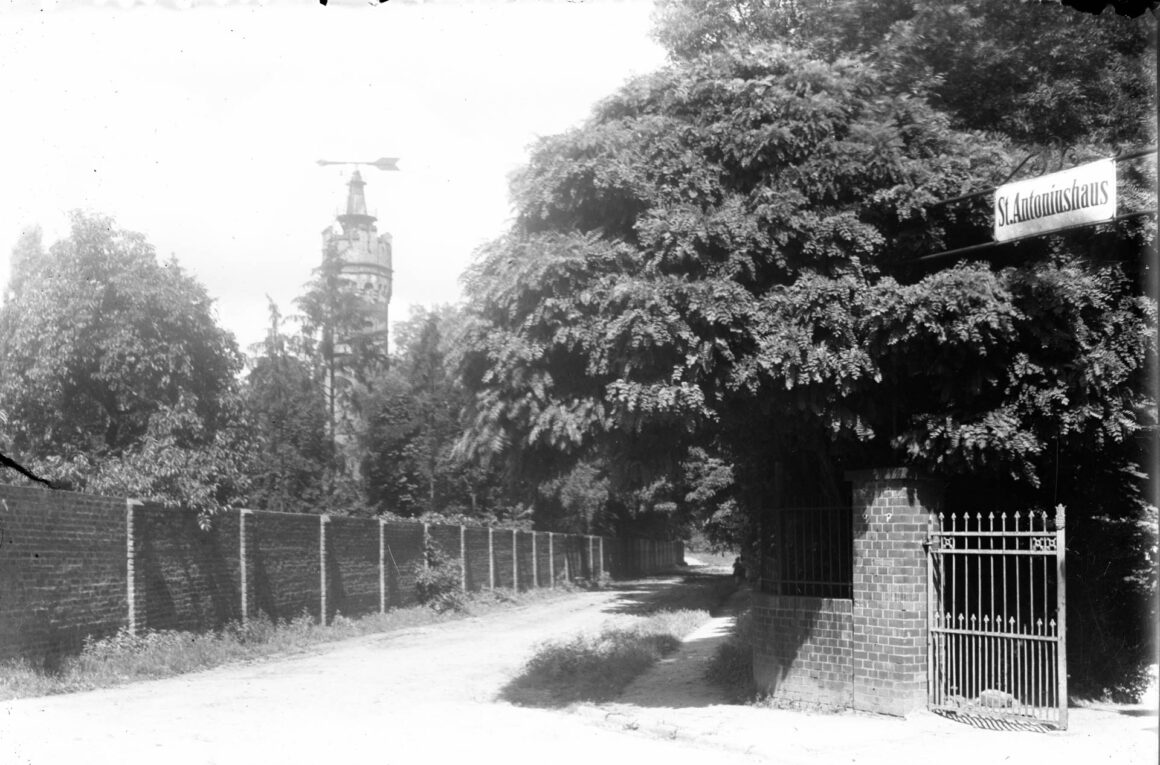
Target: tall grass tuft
598 667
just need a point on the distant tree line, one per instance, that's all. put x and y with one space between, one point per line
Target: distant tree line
117 379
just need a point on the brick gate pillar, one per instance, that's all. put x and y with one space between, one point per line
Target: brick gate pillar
890 511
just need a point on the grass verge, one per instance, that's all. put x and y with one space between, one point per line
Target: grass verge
597 667
731 667
124 658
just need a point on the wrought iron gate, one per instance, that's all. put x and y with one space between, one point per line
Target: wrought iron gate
996 591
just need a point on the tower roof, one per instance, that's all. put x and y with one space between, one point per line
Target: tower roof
356 205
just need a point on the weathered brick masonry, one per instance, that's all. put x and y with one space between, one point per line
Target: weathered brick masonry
62 571
284 563
502 542
404 552
806 656
76 565
867 652
186 578
478 570
543 567
352 579
524 560
447 539
892 508
575 554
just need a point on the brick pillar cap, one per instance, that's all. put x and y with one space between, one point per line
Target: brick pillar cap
886 474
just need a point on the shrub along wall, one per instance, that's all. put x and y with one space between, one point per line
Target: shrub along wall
76 565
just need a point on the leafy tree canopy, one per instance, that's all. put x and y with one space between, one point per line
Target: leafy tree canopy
286 407
716 275
1039 73
706 254
411 466
113 369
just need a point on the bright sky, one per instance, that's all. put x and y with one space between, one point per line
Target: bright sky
201 128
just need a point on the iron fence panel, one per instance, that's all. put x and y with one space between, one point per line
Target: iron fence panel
996 613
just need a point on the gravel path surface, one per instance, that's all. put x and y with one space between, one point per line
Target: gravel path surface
421 695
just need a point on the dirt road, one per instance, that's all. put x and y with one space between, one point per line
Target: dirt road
422 695
428 695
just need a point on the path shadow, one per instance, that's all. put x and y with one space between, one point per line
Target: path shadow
598 668
645 598
995 723
635 599
713 667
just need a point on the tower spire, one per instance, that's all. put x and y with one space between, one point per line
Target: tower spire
356 205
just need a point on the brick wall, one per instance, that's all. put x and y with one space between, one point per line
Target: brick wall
502 549
891 508
478 571
524 560
447 538
404 543
806 654
187 578
352 566
867 652
556 544
282 552
74 565
611 562
543 572
62 571
574 556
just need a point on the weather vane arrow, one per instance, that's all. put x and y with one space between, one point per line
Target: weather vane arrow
382 163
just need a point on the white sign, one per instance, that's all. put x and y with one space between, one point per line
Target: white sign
1083 194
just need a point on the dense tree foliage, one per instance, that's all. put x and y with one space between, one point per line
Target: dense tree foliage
411 467
717 274
114 375
1039 73
698 260
285 404
339 334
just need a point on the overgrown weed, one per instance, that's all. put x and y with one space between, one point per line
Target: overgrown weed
438 580
597 667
